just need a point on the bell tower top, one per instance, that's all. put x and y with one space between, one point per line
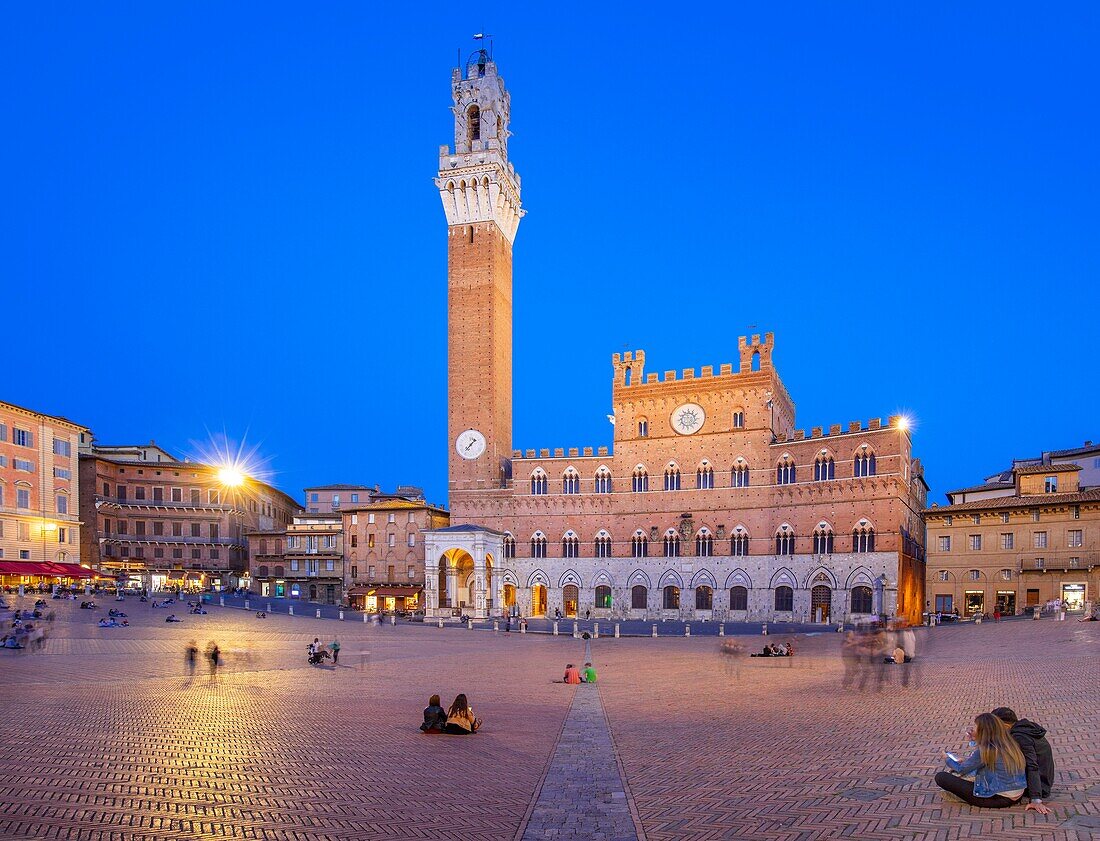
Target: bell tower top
476 181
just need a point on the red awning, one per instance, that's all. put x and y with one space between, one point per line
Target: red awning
24 568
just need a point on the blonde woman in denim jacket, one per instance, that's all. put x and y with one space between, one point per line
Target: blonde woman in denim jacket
997 763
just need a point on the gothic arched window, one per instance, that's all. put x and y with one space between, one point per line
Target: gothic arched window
784 471
704 476
784 542
739 598
603 481
861 599
672 544
704 544
863 539
739 476
824 468
672 478
570 545
639 545
509 546
784 598
864 464
538 483
823 540
639 481
603 545
739 543
538 545
570 482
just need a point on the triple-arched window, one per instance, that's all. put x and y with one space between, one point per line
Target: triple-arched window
739 476
570 482
538 483
784 541
824 468
603 545
739 542
784 471
672 478
639 545
639 480
704 544
864 463
863 539
704 476
570 545
672 544
823 540
603 481
539 544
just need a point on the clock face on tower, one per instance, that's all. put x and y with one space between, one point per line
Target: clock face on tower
688 418
470 444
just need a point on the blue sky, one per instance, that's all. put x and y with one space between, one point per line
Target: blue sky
221 218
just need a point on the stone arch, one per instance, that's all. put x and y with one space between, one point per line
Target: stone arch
703 576
639 577
509 577
603 576
783 577
859 575
739 578
538 577
570 576
670 576
810 579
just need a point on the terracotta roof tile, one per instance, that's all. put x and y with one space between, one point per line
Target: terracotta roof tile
1092 495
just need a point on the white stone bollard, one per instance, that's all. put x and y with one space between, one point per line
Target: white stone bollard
393 621
440 623
496 626
366 618
246 607
722 629
616 630
687 630
555 628
595 630
318 613
576 630
269 607
764 629
655 630
221 601
469 624
522 627
341 616
291 610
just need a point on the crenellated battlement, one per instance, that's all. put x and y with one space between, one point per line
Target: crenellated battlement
560 452
754 355
854 427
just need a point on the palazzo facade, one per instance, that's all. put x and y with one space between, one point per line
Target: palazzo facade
709 505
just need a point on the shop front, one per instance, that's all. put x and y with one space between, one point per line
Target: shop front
43 576
396 599
974 602
1073 596
1006 602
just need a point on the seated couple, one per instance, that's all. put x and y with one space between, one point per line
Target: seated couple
573 675
458 721
774 650
1011 758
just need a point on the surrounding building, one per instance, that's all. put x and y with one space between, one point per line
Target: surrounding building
1024 537
40 528
384 549
304 560
711 505
326 499
154 520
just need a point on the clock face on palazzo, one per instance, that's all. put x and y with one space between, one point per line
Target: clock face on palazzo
688 418
470 444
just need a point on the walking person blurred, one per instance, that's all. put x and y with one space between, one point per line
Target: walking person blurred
214 655
191 655
335 646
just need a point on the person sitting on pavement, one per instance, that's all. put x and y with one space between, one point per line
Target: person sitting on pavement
460 718
261 615
108 622
118 614
1038 757
11 641
435 717
571 674
589 673
997 763
171 617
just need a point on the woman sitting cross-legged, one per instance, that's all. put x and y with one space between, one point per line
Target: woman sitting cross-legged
460 718
997 764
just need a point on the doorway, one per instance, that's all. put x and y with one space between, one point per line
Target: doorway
821 597
1073 596
570 596
1006 602
974 601
538 600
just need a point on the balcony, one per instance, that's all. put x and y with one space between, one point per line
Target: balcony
168 540
164 505
1069 560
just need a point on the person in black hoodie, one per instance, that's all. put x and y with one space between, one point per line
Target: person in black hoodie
1037 754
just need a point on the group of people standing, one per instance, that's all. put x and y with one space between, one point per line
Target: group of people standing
1011 759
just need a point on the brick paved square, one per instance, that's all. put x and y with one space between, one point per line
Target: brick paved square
106 739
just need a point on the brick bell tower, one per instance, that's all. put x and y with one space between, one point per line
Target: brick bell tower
481 198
